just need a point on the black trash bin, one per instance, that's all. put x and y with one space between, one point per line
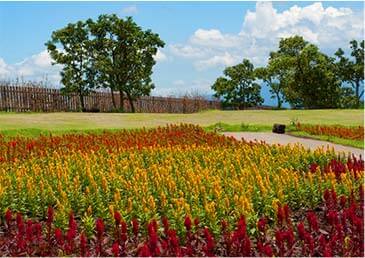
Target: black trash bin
278 128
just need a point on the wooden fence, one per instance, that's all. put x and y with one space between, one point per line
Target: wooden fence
35 99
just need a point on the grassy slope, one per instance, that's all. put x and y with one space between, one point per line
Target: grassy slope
32 124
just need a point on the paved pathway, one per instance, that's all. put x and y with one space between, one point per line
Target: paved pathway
273 138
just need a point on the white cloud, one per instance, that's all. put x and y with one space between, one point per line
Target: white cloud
187 51
132 9
160 56
225 59
5 70
214 38
329 28
38 67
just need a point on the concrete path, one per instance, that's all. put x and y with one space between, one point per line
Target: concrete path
273 138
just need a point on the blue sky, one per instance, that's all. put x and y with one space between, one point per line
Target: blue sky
201 37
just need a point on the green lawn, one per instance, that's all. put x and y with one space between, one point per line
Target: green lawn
32 124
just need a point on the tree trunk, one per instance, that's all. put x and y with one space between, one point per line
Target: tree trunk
113 100
279 100
121 97
131 103
357 89
82 103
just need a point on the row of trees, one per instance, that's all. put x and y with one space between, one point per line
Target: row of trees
109 53
300 74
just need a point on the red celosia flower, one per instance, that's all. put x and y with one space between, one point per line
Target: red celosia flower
187 223
165 224
334 197
246 247
260 247
50 215
343 201
327 198
312 221
58 236
123 227
289 236
20 224
196 222
268 250
301 230
313 167
117 218
279 239
322 241
332 217
327 252
280 215
72 222
83 244
29 231
38 231
144 251
115 249
153 238
286 213
209 242
241 226
99 227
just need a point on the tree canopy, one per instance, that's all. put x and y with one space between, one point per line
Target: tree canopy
299 74
308 78
110 52
351 70
238 88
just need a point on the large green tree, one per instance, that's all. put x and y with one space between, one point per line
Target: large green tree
70 47
124 56
238 88
271 76
309 77
352 70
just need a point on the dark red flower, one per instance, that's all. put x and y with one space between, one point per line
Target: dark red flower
99 227
144 251
117 218
301 230
115 249
50 215
165 223
196 222
83 244
268 250
187 223
58 236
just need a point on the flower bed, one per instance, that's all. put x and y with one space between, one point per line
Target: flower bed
172 172
335 228
351 133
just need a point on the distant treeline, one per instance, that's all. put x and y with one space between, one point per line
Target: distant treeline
300 74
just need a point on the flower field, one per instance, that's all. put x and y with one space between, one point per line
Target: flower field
176 190
351 133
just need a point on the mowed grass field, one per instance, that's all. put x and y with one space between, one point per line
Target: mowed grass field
33 124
